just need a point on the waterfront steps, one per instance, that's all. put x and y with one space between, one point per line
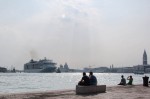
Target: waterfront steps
90 89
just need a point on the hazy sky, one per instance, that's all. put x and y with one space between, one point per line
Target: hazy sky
79 32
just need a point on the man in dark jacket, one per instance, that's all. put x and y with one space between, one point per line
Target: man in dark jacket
93 79
85 80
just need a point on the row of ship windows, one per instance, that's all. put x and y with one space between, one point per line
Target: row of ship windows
33 67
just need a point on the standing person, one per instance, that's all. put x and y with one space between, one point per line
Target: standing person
85 81
93 79
130 80
123 81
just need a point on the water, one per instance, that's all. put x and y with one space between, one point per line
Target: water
32 82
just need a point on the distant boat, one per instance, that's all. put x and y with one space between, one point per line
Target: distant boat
58 71
41 66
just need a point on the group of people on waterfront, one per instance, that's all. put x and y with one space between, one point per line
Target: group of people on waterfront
92 80
123 80
88 80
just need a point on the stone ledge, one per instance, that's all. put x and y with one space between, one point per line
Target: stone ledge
90 89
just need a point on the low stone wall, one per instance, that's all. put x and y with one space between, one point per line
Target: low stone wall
90 89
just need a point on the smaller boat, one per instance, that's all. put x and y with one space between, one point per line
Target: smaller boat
58 70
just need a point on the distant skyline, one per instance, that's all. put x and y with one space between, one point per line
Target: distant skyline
79 32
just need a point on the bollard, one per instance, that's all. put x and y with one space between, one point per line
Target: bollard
145 81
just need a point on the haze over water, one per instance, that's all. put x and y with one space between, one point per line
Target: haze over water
79 32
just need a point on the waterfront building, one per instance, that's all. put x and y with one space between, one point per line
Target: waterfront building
76 70
145 67
97 69
64 68
125 70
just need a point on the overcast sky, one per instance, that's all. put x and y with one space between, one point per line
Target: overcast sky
80 32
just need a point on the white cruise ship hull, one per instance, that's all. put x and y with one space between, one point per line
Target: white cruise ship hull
45 70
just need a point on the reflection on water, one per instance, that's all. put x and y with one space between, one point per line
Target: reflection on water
29 82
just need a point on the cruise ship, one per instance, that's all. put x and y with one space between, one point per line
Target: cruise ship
41 66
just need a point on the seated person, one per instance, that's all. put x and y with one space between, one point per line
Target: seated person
130 80
123 81
85 81
93 79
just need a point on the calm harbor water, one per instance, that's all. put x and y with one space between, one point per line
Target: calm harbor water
31 82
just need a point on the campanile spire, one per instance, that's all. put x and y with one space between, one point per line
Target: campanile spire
144 58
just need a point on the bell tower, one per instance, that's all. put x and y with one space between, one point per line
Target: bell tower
144 58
